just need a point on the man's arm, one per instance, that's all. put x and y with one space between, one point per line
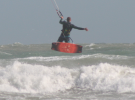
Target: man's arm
61 22
79 28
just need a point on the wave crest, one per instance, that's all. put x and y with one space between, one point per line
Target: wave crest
28 78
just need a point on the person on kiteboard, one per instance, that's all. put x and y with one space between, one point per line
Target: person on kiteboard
67 27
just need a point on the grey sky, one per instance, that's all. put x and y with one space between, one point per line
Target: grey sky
36 22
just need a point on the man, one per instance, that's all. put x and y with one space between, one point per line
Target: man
67 27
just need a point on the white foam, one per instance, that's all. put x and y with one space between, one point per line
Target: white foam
27 78
17 44
107 77
91 45
54 58
59 58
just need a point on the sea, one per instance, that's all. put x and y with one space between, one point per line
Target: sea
35 72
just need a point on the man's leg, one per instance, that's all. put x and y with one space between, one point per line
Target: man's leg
67 40
60 39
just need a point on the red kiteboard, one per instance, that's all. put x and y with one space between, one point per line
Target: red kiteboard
66 47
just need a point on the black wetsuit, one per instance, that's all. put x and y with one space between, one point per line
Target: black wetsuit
67 27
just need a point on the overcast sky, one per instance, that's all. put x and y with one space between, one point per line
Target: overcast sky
36 22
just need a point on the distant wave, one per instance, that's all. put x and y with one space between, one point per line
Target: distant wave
92 44
17 44
58 58
5 53
13 44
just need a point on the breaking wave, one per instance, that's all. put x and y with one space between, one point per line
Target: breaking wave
28 78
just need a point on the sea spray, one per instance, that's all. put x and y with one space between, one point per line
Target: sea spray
28 78
107 77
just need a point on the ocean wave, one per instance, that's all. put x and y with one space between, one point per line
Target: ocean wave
17 44
60 58
5 53
28 78
91 45
107 77
13 44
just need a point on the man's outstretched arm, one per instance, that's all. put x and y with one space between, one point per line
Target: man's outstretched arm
79 28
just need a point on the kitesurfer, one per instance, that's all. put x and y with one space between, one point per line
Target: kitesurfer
67 27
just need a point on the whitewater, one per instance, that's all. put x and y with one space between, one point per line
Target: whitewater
35 72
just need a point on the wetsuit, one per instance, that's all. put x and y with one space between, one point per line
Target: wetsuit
67 27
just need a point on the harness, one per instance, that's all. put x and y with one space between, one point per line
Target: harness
66 29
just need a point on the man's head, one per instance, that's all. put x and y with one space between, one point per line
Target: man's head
68 19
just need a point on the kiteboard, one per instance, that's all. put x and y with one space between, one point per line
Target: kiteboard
66 47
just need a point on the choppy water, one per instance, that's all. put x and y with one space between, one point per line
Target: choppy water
35 72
